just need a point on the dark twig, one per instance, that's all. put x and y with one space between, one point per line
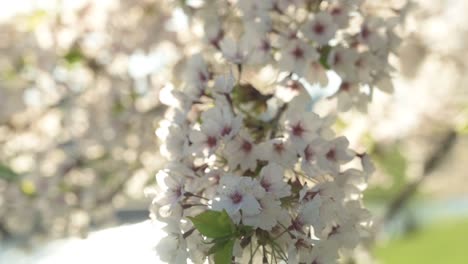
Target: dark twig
276 119
4 231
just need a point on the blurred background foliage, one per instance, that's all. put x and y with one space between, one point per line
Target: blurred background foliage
79 103
441 242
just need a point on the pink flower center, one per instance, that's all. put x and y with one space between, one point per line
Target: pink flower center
300 243
246 146
298 130
331 155
319 28
178 192
236 198
336 11
265 184
211 141
265 46
297 224
297 53
216 178
215 41
292 35
226 130
202 77
293 85
365 32
359 63
345 86
278 147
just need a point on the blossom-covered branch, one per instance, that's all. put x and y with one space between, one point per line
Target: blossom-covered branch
253 175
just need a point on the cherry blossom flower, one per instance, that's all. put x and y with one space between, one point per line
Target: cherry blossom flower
222 120
272 181
218 123
253 9
309 156
343 61
171 249
242 151
310 214
224 83
175 186
296 56
371 33
204 142
175 145
302 128
340 11
278 150
236 52
288 89
213 29
320 28
316 74
335 153
347 95
270 214
300 249
239 194
197 74
261 51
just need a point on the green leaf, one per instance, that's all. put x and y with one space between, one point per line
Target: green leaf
244 230
223 254
7 174
245 93
73 56
218 244
324 52
213 224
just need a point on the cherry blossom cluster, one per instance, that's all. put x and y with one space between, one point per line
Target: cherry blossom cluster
307 38
290 186
253 175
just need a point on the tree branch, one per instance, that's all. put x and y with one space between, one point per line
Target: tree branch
433 162
276 119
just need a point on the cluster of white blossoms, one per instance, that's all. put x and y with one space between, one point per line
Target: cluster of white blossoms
256 177
353 38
